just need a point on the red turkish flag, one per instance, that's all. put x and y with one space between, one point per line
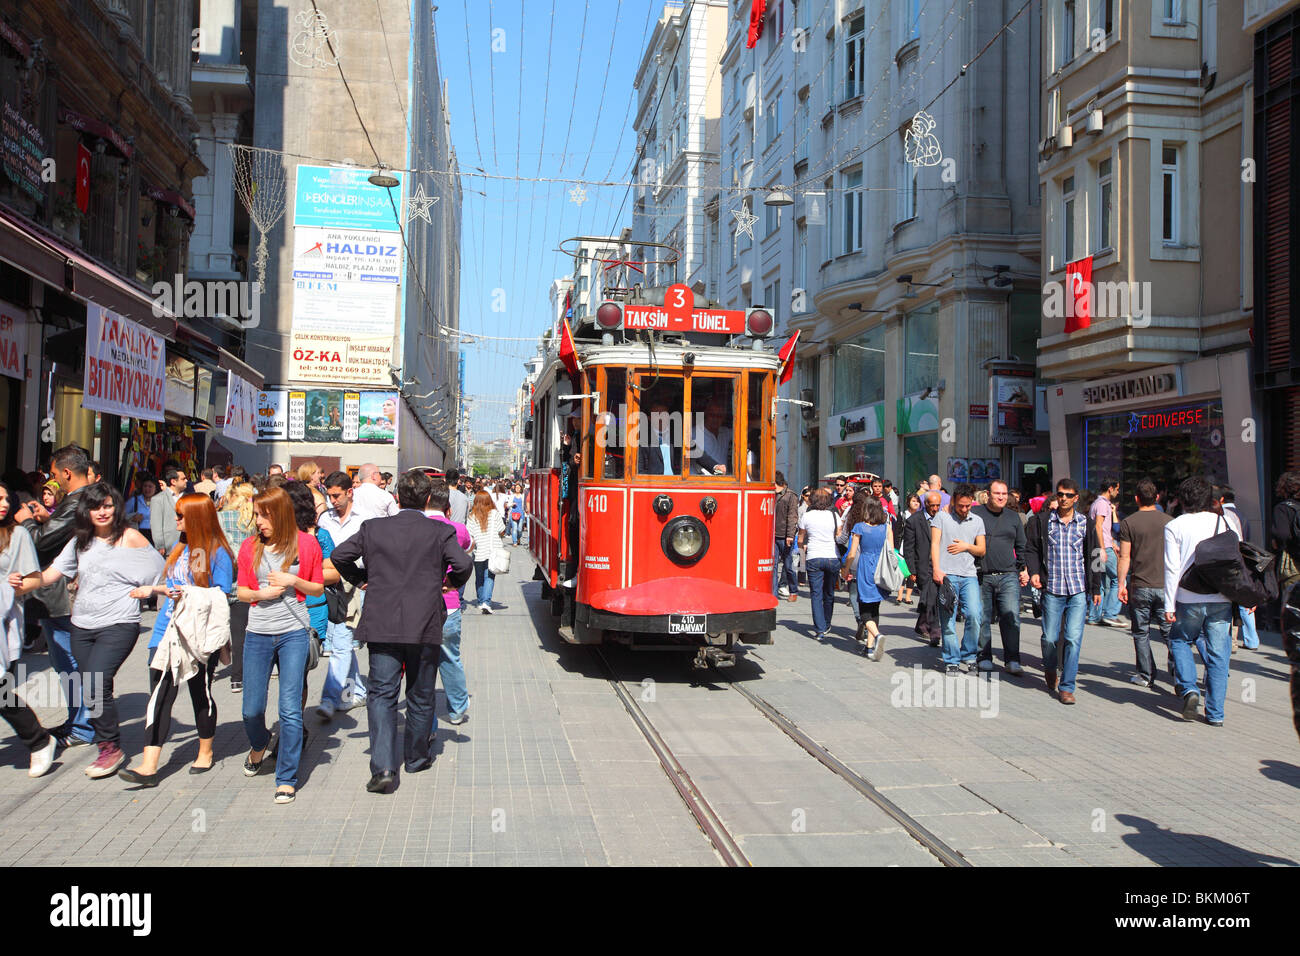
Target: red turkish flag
568 354
786 355
83 177
756 14
1078 300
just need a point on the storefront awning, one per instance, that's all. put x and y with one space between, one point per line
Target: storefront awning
41 254
96 127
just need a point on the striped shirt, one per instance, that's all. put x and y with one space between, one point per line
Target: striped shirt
1065 544
485 540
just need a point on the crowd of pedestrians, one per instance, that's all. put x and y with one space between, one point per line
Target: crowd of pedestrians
972 557
265 575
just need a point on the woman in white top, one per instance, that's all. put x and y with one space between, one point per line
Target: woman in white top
817 530
18 556
486 528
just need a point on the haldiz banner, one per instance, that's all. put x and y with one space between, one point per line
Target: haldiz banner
241 410
347 268
327 415
126 366
13 340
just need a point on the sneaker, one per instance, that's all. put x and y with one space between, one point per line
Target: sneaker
236 686
67 739
1139 680
1212 723
967 666
457 719
285 796
986 665
1014 669
953 670
783 592
106 764
1114 621
879 648
326 711
487 609
1190 703
43 758
349 702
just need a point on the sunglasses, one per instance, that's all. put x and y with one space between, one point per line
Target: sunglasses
1067 494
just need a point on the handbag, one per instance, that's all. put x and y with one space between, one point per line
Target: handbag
499 560
1288 568
314 643
337 598
1224 564
888 576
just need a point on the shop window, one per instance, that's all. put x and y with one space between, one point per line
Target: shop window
864 456
921 368
920 459
860 370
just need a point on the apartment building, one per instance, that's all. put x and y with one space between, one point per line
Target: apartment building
679 101
1147 114
912 283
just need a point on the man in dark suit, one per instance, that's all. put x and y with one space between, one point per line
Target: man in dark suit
916 552
656 440
402 620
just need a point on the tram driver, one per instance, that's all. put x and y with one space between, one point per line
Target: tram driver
660 453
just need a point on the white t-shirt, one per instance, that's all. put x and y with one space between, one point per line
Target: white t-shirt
1182 535
820 526
371 501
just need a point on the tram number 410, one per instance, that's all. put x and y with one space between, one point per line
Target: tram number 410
598 503
767 506
688 624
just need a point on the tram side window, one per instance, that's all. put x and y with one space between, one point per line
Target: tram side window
713 416
613 408
659 426
757 454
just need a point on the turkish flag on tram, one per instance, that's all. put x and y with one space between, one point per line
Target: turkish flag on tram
83 177
786 355
1078 292
756 14
568 354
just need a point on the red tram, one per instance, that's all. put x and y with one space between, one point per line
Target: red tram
665 539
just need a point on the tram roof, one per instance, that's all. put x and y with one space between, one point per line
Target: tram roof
711 356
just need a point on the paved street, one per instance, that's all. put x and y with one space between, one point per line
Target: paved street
550 769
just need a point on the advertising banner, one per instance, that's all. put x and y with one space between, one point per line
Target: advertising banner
241 422
347 267
22 147
272 418
125 366
1011 409
13 340
328 415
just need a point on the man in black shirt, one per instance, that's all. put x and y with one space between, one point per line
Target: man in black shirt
916 552
1141 573
1001 574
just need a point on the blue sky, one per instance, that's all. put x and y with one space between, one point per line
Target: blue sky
533 109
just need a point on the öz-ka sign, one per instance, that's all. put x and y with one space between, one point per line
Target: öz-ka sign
125 366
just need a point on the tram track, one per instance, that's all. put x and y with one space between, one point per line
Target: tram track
712 824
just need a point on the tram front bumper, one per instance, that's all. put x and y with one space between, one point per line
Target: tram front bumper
646 608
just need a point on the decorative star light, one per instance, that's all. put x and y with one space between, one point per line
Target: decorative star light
418 203
744 222
578 195
920 145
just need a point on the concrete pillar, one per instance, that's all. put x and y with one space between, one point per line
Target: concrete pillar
1240 421
986 319
212 245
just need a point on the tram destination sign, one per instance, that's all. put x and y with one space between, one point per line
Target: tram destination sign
678 314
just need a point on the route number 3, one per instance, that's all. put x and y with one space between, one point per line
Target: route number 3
598 504
679 298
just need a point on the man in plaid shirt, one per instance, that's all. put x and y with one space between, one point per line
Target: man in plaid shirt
1065 559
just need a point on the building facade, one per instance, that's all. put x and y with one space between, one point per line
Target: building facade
360 324
100 156
1147 114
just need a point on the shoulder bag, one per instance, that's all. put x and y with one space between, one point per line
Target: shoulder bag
1288 569
499 559
314 643
888 576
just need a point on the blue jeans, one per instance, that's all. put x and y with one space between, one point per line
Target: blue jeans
1249 636
1068 610
451 669
483 582
783 575
821 582
1213 622
968 602
1146 608
516 529
58 641
260 652
1000 592
1109 606
386 665
342 678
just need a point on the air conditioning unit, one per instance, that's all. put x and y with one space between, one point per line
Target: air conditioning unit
1065 136
1096 121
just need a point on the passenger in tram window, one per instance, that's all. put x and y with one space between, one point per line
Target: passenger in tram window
712 438
607 444
751 459
659 454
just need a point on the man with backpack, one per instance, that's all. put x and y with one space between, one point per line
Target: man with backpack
1285 528
1194 611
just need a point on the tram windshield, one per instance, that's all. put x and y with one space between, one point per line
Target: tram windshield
686 425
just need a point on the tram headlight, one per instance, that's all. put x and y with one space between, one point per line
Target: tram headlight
685 540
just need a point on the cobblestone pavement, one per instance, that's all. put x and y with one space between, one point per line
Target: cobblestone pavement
551 770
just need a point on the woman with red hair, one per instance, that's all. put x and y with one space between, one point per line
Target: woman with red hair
278 569
202 558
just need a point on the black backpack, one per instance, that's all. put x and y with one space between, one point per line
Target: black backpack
1224 564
